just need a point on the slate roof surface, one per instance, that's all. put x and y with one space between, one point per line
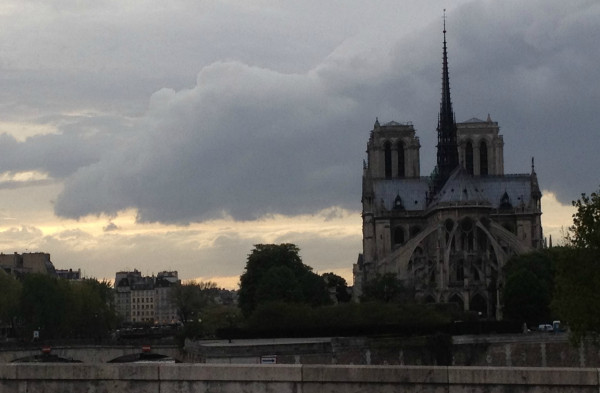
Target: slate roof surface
460 188
411 190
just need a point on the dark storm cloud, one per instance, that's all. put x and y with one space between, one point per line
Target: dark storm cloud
253 137
58 155
534 69
247 141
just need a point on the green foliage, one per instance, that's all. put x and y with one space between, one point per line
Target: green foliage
339 284
577 299
276 272
220 316
92 309
386 288
585 231
191 299
281 315
44 304
529 287
278 283
60 308
9 301
348 317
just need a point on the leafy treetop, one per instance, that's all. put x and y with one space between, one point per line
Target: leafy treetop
275 272
585 231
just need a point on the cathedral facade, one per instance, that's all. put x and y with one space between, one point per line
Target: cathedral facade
446 236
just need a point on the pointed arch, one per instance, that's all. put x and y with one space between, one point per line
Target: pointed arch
483 159
457 299
414 231
398 236
458 271
387 148
401 167
469 158
479 304
429 299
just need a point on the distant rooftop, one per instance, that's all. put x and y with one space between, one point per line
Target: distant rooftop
395 123
474 120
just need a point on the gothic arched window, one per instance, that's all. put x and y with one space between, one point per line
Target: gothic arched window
483 159
479 304
401 169
460 270
458 300
398 236
414 231
469 158
388 159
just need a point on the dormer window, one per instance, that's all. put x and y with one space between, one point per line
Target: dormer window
505 202
398 205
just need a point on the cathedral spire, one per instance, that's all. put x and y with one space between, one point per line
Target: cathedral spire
447 149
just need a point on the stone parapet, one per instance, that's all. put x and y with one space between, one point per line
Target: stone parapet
176 378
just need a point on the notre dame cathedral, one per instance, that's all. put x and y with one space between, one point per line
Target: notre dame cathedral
446 236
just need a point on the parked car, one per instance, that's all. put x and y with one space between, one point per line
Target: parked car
545 327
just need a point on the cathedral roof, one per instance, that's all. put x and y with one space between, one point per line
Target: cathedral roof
463 188
413 192
460 189
474 120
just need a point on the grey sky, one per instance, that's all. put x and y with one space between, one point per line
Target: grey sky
193 110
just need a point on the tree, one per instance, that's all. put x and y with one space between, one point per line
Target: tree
62 308
386 288
577 299
339 285
279 283
92 311
44 304
9 301
191 298
585 231
529 286
276 272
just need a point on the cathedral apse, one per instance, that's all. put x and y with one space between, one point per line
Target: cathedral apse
446 236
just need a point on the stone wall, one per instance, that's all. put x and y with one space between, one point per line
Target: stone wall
90 353
525 350
530 350
184 378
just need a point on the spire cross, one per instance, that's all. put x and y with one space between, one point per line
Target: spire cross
444 18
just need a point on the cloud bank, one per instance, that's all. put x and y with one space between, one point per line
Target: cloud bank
256 135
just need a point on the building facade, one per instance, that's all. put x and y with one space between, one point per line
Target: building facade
146 299
446 236
29 262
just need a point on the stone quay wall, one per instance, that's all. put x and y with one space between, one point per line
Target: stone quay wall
224 378
90 353
525 350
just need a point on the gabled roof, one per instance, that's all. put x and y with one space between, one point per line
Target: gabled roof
474 120
412 191
460 189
